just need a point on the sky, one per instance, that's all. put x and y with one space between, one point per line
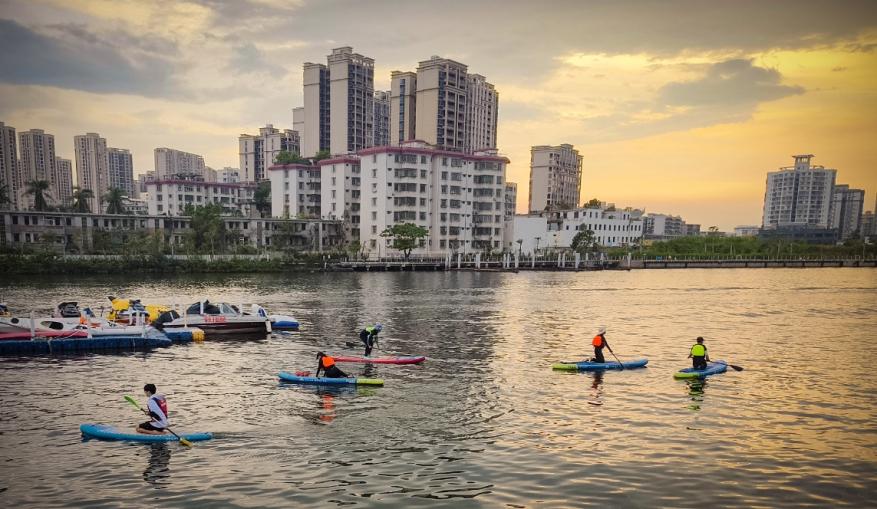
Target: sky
679 107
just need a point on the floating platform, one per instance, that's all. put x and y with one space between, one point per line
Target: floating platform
77 345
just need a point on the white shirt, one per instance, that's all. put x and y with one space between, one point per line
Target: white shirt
152 405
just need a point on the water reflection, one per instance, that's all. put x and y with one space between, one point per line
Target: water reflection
597 388
157 470
696 390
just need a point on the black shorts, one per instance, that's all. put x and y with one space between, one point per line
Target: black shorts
147 426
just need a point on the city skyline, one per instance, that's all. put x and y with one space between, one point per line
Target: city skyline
680 117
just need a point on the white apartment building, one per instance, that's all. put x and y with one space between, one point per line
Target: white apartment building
315 112
458 198
120 169
555 177
482 112
170 163
799 195
36 150
748 230
381 136
91 167
511 199
64 169
556 230
258 152
403 111
442 86
298 125
228 175
846 211
169 197
351 101
9 165
295 190
663 227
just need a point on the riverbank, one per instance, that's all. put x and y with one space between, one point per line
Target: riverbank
152 264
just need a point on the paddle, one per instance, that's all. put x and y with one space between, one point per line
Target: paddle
617 359
182 440
735 368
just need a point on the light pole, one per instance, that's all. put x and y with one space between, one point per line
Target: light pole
520 244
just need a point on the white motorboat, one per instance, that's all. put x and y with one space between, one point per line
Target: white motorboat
221 318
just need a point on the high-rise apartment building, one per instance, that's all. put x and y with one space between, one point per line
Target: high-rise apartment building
846 211
381 136
92 167
482 105
315 112
9 166
36 151
555 177
298 125
64 170
170 163
228 175
442 86
511 199
120 169
258 152
799 195
351 100
403 110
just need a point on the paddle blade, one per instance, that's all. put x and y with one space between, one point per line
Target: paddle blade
369 381
185 442
735 368
131 400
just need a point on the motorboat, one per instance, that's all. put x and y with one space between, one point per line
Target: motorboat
132 311
216 318
68 320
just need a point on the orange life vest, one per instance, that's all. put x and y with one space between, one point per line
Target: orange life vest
598 341
327 362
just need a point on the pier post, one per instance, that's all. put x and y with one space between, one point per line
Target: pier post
578 260
517 261
459 261
477 261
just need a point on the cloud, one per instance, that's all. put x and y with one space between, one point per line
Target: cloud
248 59
75 58
730 83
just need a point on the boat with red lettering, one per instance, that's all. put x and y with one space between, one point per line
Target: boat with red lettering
213 319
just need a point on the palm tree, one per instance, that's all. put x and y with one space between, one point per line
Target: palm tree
114 200
38 189
80 200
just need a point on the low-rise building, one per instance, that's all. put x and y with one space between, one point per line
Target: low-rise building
747 230
171 196
295 190
555 230
663 227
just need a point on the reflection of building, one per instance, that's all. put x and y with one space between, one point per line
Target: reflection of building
258 152
555 177
171 196
555 230
799 195
846 210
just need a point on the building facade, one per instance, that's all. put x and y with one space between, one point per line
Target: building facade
846 211
511 199
172 163
403 106
258 152
482 114
799 195
555 230
315 112
747 230
120 169
351 100
381 136
9 180
663 227
555 177
170 197
91 167
442 89
36 150
64 167
228 175
295 190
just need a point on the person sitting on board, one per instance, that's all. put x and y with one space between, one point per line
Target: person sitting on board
599 342
156 408
698 354
369 336
327 365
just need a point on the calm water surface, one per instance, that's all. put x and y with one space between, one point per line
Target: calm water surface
485 421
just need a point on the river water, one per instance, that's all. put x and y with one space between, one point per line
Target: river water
484 422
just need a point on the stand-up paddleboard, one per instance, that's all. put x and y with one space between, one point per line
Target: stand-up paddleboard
597 366
312 380
390 359
105 432
712 368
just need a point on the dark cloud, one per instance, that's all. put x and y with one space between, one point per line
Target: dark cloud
729 83
248 59
76 58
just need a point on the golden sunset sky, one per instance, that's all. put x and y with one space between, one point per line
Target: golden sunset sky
679 107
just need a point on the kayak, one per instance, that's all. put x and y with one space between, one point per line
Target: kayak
712 368
597 366
296 379
391 359
105 432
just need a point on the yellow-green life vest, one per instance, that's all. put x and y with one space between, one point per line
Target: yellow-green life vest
698 351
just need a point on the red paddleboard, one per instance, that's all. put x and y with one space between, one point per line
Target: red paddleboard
393 359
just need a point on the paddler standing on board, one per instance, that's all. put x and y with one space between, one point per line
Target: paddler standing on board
369 336
599 342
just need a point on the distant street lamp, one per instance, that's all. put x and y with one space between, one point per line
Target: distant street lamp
520 244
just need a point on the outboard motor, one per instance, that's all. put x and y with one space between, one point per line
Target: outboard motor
166 317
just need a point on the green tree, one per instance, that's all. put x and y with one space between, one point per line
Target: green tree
115 201
406 236
287 157
593 203
38 189
208 228
322 154
262 197
80 200
584 242
353 248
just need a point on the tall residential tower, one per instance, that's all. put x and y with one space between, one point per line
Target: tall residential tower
799 195
555 177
